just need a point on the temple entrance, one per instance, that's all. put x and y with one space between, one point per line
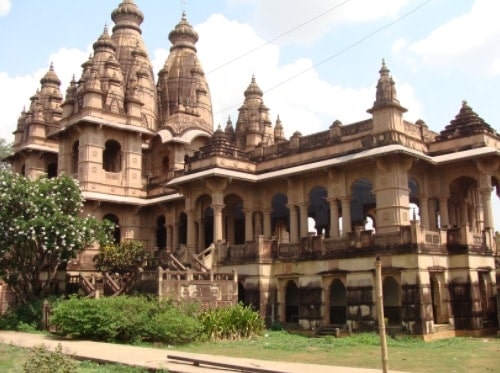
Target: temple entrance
291 303
392 301
338 303
439 309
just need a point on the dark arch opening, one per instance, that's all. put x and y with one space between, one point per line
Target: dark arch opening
338 303
392 300
111 156
291 303
161 232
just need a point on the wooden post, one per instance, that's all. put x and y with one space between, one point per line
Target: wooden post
380 313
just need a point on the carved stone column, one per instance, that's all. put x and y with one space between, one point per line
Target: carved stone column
217 222
432 207
201 235
294 226
487 213
248 225
191 233
267 223
257 228
443 210
230 229
303 219
170 236
175 236
424 212
346 215
334 217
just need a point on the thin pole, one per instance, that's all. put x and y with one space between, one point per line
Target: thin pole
380 313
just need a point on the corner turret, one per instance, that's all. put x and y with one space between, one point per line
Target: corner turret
387 111
253 126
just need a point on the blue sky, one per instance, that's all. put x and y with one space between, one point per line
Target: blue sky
440 52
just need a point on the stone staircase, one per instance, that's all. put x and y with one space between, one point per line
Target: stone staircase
336 330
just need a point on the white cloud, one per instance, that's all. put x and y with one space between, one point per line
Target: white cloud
272 18
5 6
16 90
304 101
471 39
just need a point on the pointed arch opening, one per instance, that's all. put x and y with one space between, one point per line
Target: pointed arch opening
363 203
319 210
234 219
182 228
112 156
280 217
338 303
392 300
291 303
439 306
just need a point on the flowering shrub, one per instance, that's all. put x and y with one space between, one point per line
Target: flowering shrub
125 259
40 229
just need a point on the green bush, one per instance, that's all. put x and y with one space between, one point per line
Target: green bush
25 317
42 360
109 319
172 326
126 319
233 322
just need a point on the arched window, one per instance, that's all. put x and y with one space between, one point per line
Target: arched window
112 157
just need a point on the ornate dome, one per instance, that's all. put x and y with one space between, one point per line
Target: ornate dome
127 13
183 35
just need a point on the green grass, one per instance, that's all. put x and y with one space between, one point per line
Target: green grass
12 359
363 350
468 355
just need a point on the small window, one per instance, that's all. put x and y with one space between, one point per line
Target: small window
74 157
111 157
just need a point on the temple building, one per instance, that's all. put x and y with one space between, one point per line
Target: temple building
288 214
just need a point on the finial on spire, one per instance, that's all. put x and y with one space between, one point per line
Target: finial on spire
183 7
51 67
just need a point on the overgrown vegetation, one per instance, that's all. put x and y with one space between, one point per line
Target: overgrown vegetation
125 259
41 360
130 319
13 359
25 317
40 230
235 322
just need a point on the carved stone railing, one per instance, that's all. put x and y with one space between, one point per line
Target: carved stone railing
243 253
288 251
410 239
462 240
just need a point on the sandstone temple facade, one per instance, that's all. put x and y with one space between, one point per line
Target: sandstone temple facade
288 214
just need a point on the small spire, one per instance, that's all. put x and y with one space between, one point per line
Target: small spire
51 67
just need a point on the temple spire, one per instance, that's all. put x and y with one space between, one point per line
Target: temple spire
386 95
